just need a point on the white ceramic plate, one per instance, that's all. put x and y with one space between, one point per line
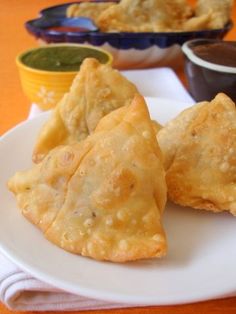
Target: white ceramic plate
202 246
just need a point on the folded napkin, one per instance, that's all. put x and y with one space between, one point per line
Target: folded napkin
18 289
160 82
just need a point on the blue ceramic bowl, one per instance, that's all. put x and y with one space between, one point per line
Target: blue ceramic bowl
130 50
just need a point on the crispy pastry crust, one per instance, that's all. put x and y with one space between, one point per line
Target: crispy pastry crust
104 196
97 90
145 16
199 148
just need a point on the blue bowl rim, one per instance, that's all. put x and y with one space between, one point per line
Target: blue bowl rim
35 29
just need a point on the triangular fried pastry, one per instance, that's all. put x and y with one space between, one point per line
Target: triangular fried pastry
97 90
199 148
104 196
145 16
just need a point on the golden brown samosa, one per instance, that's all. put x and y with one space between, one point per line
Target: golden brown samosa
97 90
104 196
145 16
199 148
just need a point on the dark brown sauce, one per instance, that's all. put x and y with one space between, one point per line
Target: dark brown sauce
66 29
223 53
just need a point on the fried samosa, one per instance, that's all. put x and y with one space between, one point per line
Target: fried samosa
199 148
155 15
97 90
100 197
145 16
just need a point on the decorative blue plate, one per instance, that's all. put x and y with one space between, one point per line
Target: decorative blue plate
129 49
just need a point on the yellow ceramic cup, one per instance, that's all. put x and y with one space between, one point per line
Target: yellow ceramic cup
46 88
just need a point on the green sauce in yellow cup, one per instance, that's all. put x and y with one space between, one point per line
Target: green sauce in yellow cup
47 72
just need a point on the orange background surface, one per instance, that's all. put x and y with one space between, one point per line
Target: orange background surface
14 107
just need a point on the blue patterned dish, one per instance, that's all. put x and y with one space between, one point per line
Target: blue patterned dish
130 50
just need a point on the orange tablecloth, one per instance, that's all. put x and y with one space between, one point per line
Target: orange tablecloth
14 107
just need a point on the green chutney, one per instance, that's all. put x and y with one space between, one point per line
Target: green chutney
61 58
